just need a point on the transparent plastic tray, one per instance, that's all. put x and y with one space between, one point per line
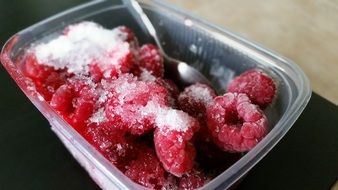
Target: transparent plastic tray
218 53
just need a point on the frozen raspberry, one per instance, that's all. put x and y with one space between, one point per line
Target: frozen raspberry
113 143
53 82
236 124
177 157
171 182
260 87
45 78
172 139
84 106
95 72
172 89
122 57
192 180
145 75
120 60
150 59
34 70
75 101
129 35
128 98
194 100
146 169
62 99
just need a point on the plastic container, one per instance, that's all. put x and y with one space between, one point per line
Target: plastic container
218 53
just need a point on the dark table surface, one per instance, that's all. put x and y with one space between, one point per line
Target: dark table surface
31 156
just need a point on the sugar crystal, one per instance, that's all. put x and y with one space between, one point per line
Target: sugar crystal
83 43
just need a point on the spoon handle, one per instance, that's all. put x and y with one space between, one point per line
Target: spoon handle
145 20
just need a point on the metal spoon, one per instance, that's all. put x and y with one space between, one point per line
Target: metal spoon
180 71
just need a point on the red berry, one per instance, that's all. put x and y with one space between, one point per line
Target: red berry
121 60
45 78
172 90
172 140
150 59
236 124
259 86
62 99
83 105
95 72
124 57
75 101
129 35
35 70
113 143
128 98
194 100
146 169
51 83
192 180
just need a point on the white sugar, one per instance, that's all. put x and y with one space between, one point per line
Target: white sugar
124 87
98 117
83 43
174 119
166 117
104 97
200 93
146 76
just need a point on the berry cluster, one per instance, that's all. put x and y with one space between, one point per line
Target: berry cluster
113 92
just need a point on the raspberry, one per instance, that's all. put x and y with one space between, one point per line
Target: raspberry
62 99
177 157
260 87
192 180
170 183
150 59
172 90
122 57
146 169
194 100
172 141
129 35
113 143
45 78
49 85
120 60
236 124
75 101
95 72
84 106
128 99
35 70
